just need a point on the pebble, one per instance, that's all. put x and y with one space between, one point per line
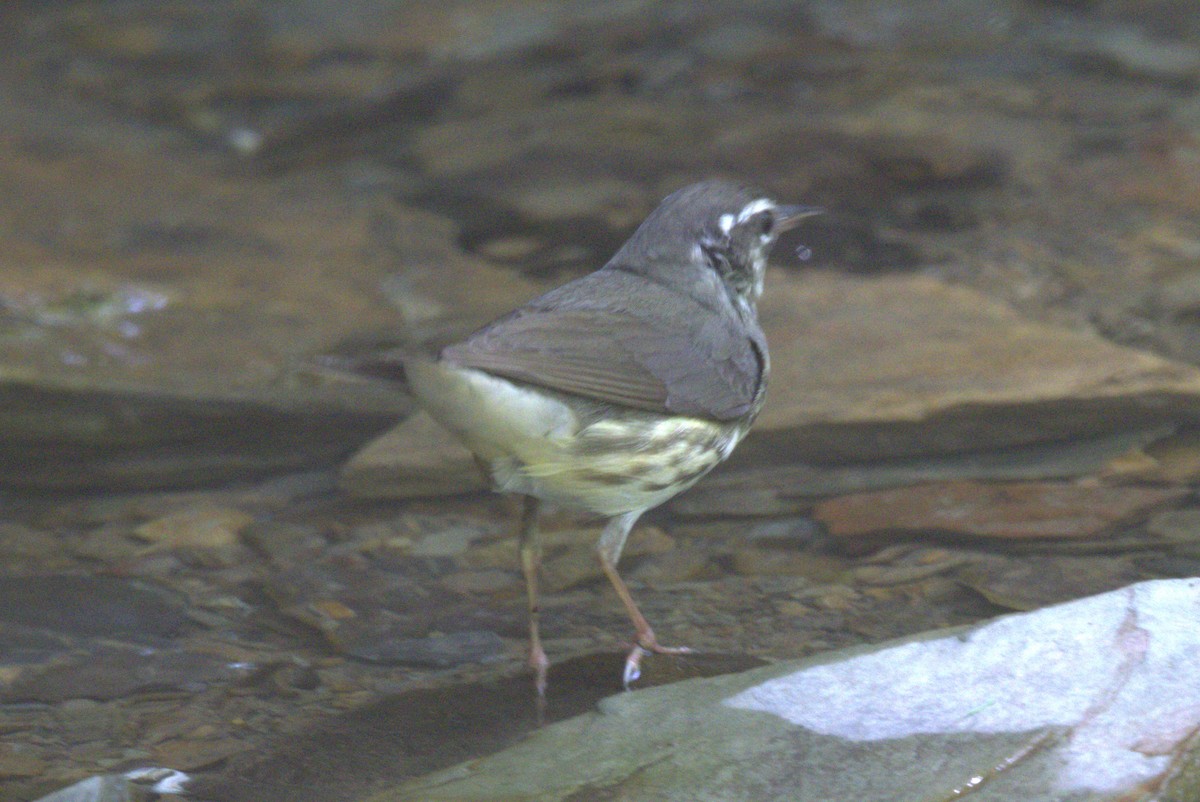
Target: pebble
284 542
902 574
678 565
203 528
485 581
760 561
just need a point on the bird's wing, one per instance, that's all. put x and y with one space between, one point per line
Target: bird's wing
705 367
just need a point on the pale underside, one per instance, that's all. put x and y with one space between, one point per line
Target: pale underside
534 443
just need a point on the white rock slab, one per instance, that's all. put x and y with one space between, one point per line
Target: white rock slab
1118 670
1091 701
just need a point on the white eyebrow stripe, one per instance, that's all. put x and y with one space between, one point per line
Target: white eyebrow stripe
753 208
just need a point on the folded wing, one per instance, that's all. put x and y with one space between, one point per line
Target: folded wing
704 367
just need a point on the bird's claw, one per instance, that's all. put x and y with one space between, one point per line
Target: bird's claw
633 666
633 663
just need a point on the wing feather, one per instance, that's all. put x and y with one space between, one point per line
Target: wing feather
637 361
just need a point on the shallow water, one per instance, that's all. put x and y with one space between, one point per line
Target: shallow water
984 395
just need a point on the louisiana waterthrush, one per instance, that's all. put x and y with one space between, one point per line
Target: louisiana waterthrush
619 390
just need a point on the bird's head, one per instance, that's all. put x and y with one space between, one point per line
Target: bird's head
720 225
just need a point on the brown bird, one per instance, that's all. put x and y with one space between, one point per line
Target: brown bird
619 390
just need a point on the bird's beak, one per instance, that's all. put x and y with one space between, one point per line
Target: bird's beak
788 217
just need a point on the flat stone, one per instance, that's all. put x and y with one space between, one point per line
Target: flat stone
570 569
755 561
1177 526
190 754
416 458
892 367
741 490
103 606
1023 584
863 369
677 565
115 672
201 527
1020 510
284 542
20 762
440 651
105 788
1062 703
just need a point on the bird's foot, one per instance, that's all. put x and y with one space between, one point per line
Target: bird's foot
646 644
540 665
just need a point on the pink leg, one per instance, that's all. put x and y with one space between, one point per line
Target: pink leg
612 541
531 561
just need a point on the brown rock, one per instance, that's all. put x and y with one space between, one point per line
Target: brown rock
944 368
1005 510
417 458
20 762
1022 584
203 527
190 754
752 561
677 565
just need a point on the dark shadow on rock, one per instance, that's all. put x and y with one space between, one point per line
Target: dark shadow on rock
380 745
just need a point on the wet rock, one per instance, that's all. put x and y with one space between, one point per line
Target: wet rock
1174 459
777 562
935 363
945 370
739 490
86 719
417 458
73 438
576 544
877 26
418 539
1131 53
481 582
677 565
923 162
1180 529
119 353
91 606
113 672
191 754
916 565
107 544
449 538
1051 579
1015 510
1178 526
20 762
211 531
108 788
1081 718
29 549
438 651
283 542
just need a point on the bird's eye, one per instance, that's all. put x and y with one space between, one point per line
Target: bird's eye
766 224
